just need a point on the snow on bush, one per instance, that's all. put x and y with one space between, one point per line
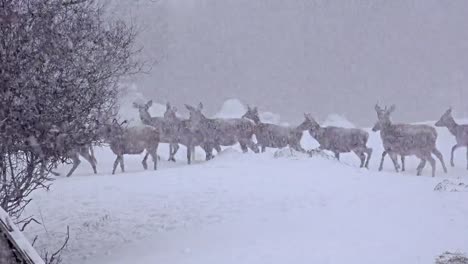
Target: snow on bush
449 186
451 258
338 121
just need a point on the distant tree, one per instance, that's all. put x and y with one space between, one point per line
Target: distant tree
60 65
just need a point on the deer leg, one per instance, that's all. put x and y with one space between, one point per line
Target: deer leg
175 148
361 157
467 157
76 162
337 155
116 162
420 167
208 151
145 164
189 155
90 159
252 146
243 146
384 153
452 154
402 162
394 157
154 157
440 157
263 148
122 166
433 164
369 155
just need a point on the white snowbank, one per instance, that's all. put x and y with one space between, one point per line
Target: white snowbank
253 208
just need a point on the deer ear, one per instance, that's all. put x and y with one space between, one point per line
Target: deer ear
174 109
150 103
200 106
449 111
136 105
255 110
392 108
168 106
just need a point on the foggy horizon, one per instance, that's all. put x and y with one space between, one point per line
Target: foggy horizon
322 57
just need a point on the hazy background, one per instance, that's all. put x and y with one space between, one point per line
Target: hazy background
299 56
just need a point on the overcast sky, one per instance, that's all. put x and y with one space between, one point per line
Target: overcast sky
311 56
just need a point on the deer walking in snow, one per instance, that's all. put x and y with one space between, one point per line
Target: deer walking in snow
185 136
275 136
376 128
459 131
222 132
165 127
405 139
133 141
342 140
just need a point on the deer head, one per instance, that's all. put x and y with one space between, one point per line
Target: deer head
446 119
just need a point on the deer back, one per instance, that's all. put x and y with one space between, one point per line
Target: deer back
406 139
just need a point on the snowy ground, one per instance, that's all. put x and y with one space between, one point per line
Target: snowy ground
254 208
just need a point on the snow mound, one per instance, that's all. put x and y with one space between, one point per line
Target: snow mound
229 154
269 117
452 258
231 108
288 153
449 186
338 121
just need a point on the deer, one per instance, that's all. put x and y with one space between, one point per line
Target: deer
459 131
406 139
60 141
133 141
165 127
86 151
276 136
341 140
222 132
184 135
376 128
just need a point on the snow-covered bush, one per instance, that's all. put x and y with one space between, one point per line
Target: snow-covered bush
452 258
450 186
60 65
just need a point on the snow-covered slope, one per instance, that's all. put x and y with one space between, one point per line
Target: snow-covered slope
255 208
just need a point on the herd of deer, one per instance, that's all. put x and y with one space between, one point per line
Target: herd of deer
210 134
